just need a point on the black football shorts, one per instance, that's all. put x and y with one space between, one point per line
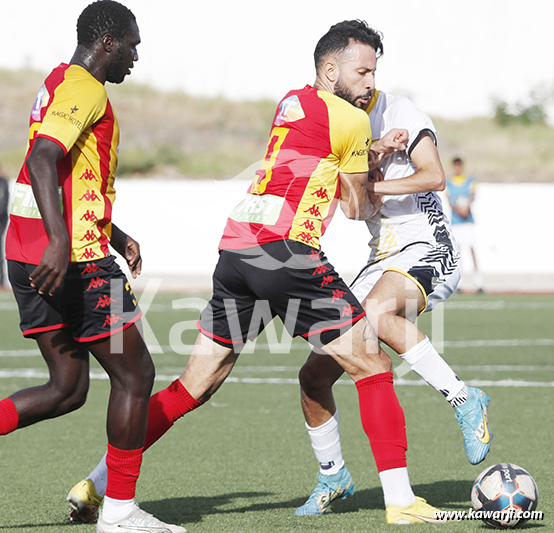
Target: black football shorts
94 302
287 279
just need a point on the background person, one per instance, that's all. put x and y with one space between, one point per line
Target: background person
460 190
4 203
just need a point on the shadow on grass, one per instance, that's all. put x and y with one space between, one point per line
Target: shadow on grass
447 495
27 527
450 494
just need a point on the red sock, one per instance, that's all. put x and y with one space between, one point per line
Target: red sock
383 421
165 408
123 472
9 419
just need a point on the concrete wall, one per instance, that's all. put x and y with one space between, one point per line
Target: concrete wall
179 224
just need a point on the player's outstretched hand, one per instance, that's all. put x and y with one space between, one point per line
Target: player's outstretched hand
49 275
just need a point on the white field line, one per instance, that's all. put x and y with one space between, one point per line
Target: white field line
278 348
33 373
500 343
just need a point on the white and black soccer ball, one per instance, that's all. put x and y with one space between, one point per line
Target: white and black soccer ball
504 495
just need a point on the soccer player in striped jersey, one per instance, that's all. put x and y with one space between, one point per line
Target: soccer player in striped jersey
73 298
413 265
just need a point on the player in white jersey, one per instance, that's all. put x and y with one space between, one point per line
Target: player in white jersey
413 265
410 235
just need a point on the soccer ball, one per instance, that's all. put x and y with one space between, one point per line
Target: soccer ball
504 495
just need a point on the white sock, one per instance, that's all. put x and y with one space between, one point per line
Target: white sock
116 510
478 280
396 487
458 399
99 476
426 362
326 444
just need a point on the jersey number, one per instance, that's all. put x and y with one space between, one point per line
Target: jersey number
263 175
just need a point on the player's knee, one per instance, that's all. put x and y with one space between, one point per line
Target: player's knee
142 379
312 381
76 401
65 399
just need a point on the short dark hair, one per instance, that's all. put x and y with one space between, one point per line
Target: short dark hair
103 17
457 160
339 36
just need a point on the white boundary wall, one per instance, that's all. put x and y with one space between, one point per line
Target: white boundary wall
179 223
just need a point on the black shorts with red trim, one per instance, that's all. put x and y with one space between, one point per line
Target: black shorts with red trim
94 302
287 279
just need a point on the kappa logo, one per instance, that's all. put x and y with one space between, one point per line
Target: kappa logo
337 295
320 269
305 237
89 216
88 175
309 225
348 310
111 320
314 256
321 193
91 268
89 236
104 301
314 211
96 282
89 254
326 281
90 196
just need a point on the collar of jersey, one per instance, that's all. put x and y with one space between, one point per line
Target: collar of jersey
373 102
460 178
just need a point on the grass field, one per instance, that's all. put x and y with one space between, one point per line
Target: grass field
243 462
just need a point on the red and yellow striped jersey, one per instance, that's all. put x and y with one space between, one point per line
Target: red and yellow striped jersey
294 195
72 109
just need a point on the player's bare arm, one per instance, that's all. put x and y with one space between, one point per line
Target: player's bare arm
41 163
429 176
354 196
376 199
128 248
463 212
